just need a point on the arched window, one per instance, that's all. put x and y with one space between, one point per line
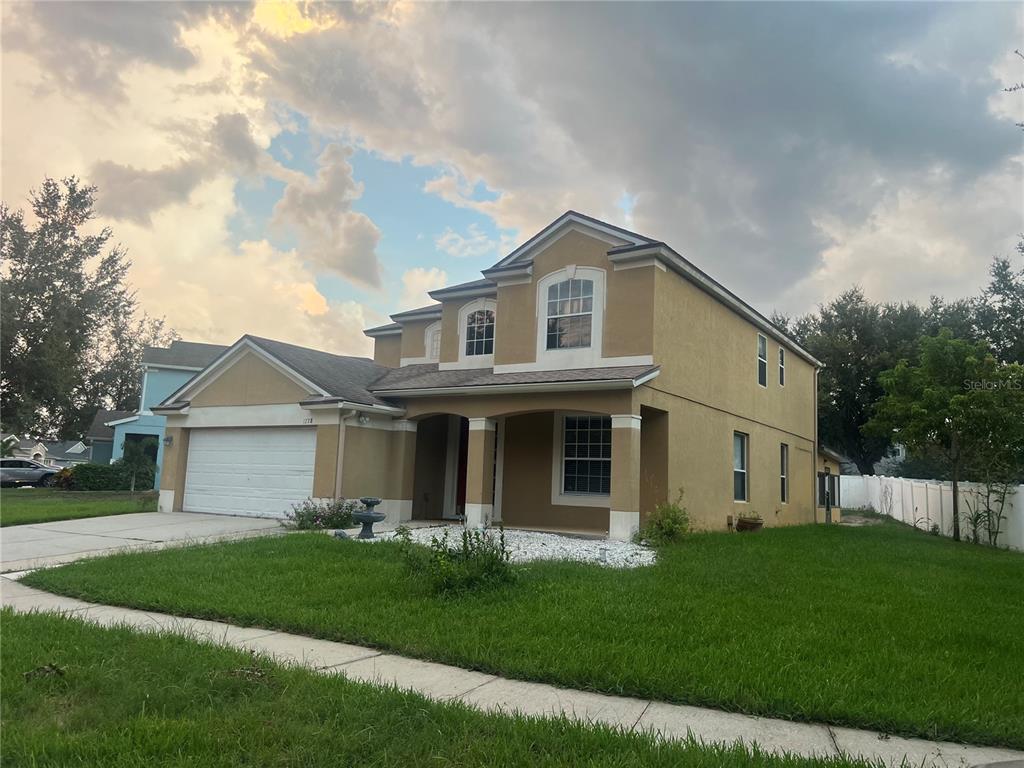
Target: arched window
432 341
570 314
480 332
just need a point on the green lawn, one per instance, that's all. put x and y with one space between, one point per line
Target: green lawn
21 506
76 694
879 627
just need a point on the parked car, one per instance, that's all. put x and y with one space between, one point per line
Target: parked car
26 472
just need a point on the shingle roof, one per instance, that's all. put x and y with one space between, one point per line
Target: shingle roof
427 376
428 311
59 450
24 443
472 285
99 430
340 376
184 354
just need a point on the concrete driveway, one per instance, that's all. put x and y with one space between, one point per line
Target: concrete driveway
23 547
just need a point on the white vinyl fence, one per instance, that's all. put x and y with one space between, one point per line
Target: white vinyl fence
925 503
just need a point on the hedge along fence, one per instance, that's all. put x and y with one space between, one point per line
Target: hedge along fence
928 503
106 477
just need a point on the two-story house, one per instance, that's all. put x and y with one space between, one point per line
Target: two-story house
589 375
164 370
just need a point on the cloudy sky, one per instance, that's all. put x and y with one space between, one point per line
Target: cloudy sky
302 171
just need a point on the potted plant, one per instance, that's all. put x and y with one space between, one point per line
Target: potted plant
749 521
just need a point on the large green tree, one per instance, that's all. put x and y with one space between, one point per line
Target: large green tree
957 401
1000 310
856 339
66 314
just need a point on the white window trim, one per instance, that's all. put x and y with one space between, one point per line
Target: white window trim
784 476
576 357
745 470
558 498
782 367
757 362
428 334
475 361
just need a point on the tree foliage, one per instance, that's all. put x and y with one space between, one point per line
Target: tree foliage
70 338
858 339
956 400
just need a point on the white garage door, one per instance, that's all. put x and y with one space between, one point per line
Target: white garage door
259 472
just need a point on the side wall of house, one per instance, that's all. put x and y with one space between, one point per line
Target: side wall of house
709 388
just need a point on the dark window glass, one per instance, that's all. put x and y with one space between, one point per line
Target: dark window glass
784 472
739 466
480 332
586 458
569 315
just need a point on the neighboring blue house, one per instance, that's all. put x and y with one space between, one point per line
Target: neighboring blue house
164 371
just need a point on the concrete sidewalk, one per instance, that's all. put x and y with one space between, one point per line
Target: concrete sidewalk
495 694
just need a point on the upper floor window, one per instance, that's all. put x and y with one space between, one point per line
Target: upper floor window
570 314
782 367
762 360
432 341
480 332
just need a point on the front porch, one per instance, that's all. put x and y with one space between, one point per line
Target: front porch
563 470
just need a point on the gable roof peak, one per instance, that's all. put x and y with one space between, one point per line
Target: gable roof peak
616 234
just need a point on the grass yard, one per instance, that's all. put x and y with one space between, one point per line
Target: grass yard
879 627
21 506
75 694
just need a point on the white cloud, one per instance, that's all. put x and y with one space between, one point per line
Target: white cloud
473 244
331 234
417 282
782 180
169 150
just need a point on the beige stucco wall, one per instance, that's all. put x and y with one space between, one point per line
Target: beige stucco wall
413 339
387 350
700 463
172 474
325 463
708 353
479 406
450 330
629 317
377 462
480 466
654 437
526 496
249 381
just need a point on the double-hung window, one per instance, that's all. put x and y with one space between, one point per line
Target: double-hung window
762 360
570 314
783 473
782 367
587 455
740 456
480 332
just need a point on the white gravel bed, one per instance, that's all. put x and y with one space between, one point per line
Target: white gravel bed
524 546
